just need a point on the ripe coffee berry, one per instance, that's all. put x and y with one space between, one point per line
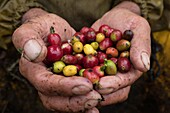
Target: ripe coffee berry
98 53
128 35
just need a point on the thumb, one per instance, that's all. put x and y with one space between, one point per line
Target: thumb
29 43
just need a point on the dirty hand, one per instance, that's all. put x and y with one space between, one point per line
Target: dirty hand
58 93
124 17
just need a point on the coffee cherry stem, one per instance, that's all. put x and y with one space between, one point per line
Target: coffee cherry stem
52 31
105 62
102 68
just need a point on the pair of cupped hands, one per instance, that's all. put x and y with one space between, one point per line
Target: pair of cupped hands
76 94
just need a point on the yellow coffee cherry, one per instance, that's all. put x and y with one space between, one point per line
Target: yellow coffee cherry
95 45
77 47
88 49
100 37
70 70
74 39
58 66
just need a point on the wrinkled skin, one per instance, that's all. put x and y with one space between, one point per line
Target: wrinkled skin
58 93
76 94
123 19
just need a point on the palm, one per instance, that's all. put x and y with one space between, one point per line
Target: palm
123 19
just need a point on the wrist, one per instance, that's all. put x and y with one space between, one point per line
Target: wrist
34 12
131 6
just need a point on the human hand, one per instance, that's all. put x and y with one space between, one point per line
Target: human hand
58 93
116 88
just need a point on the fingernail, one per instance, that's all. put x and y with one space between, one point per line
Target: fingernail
146 60
32 49
91 103
79 90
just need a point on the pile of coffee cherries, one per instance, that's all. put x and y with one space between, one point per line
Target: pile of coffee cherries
89 53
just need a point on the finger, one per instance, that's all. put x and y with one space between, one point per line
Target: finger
29 37
116 97
48 83
110 84
93 110
71 104
141 46
123 19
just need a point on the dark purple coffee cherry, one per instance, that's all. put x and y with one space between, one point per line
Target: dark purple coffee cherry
128 35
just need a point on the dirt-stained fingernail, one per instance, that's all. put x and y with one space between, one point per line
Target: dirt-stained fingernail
146 60
79 90
91 103
32 49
